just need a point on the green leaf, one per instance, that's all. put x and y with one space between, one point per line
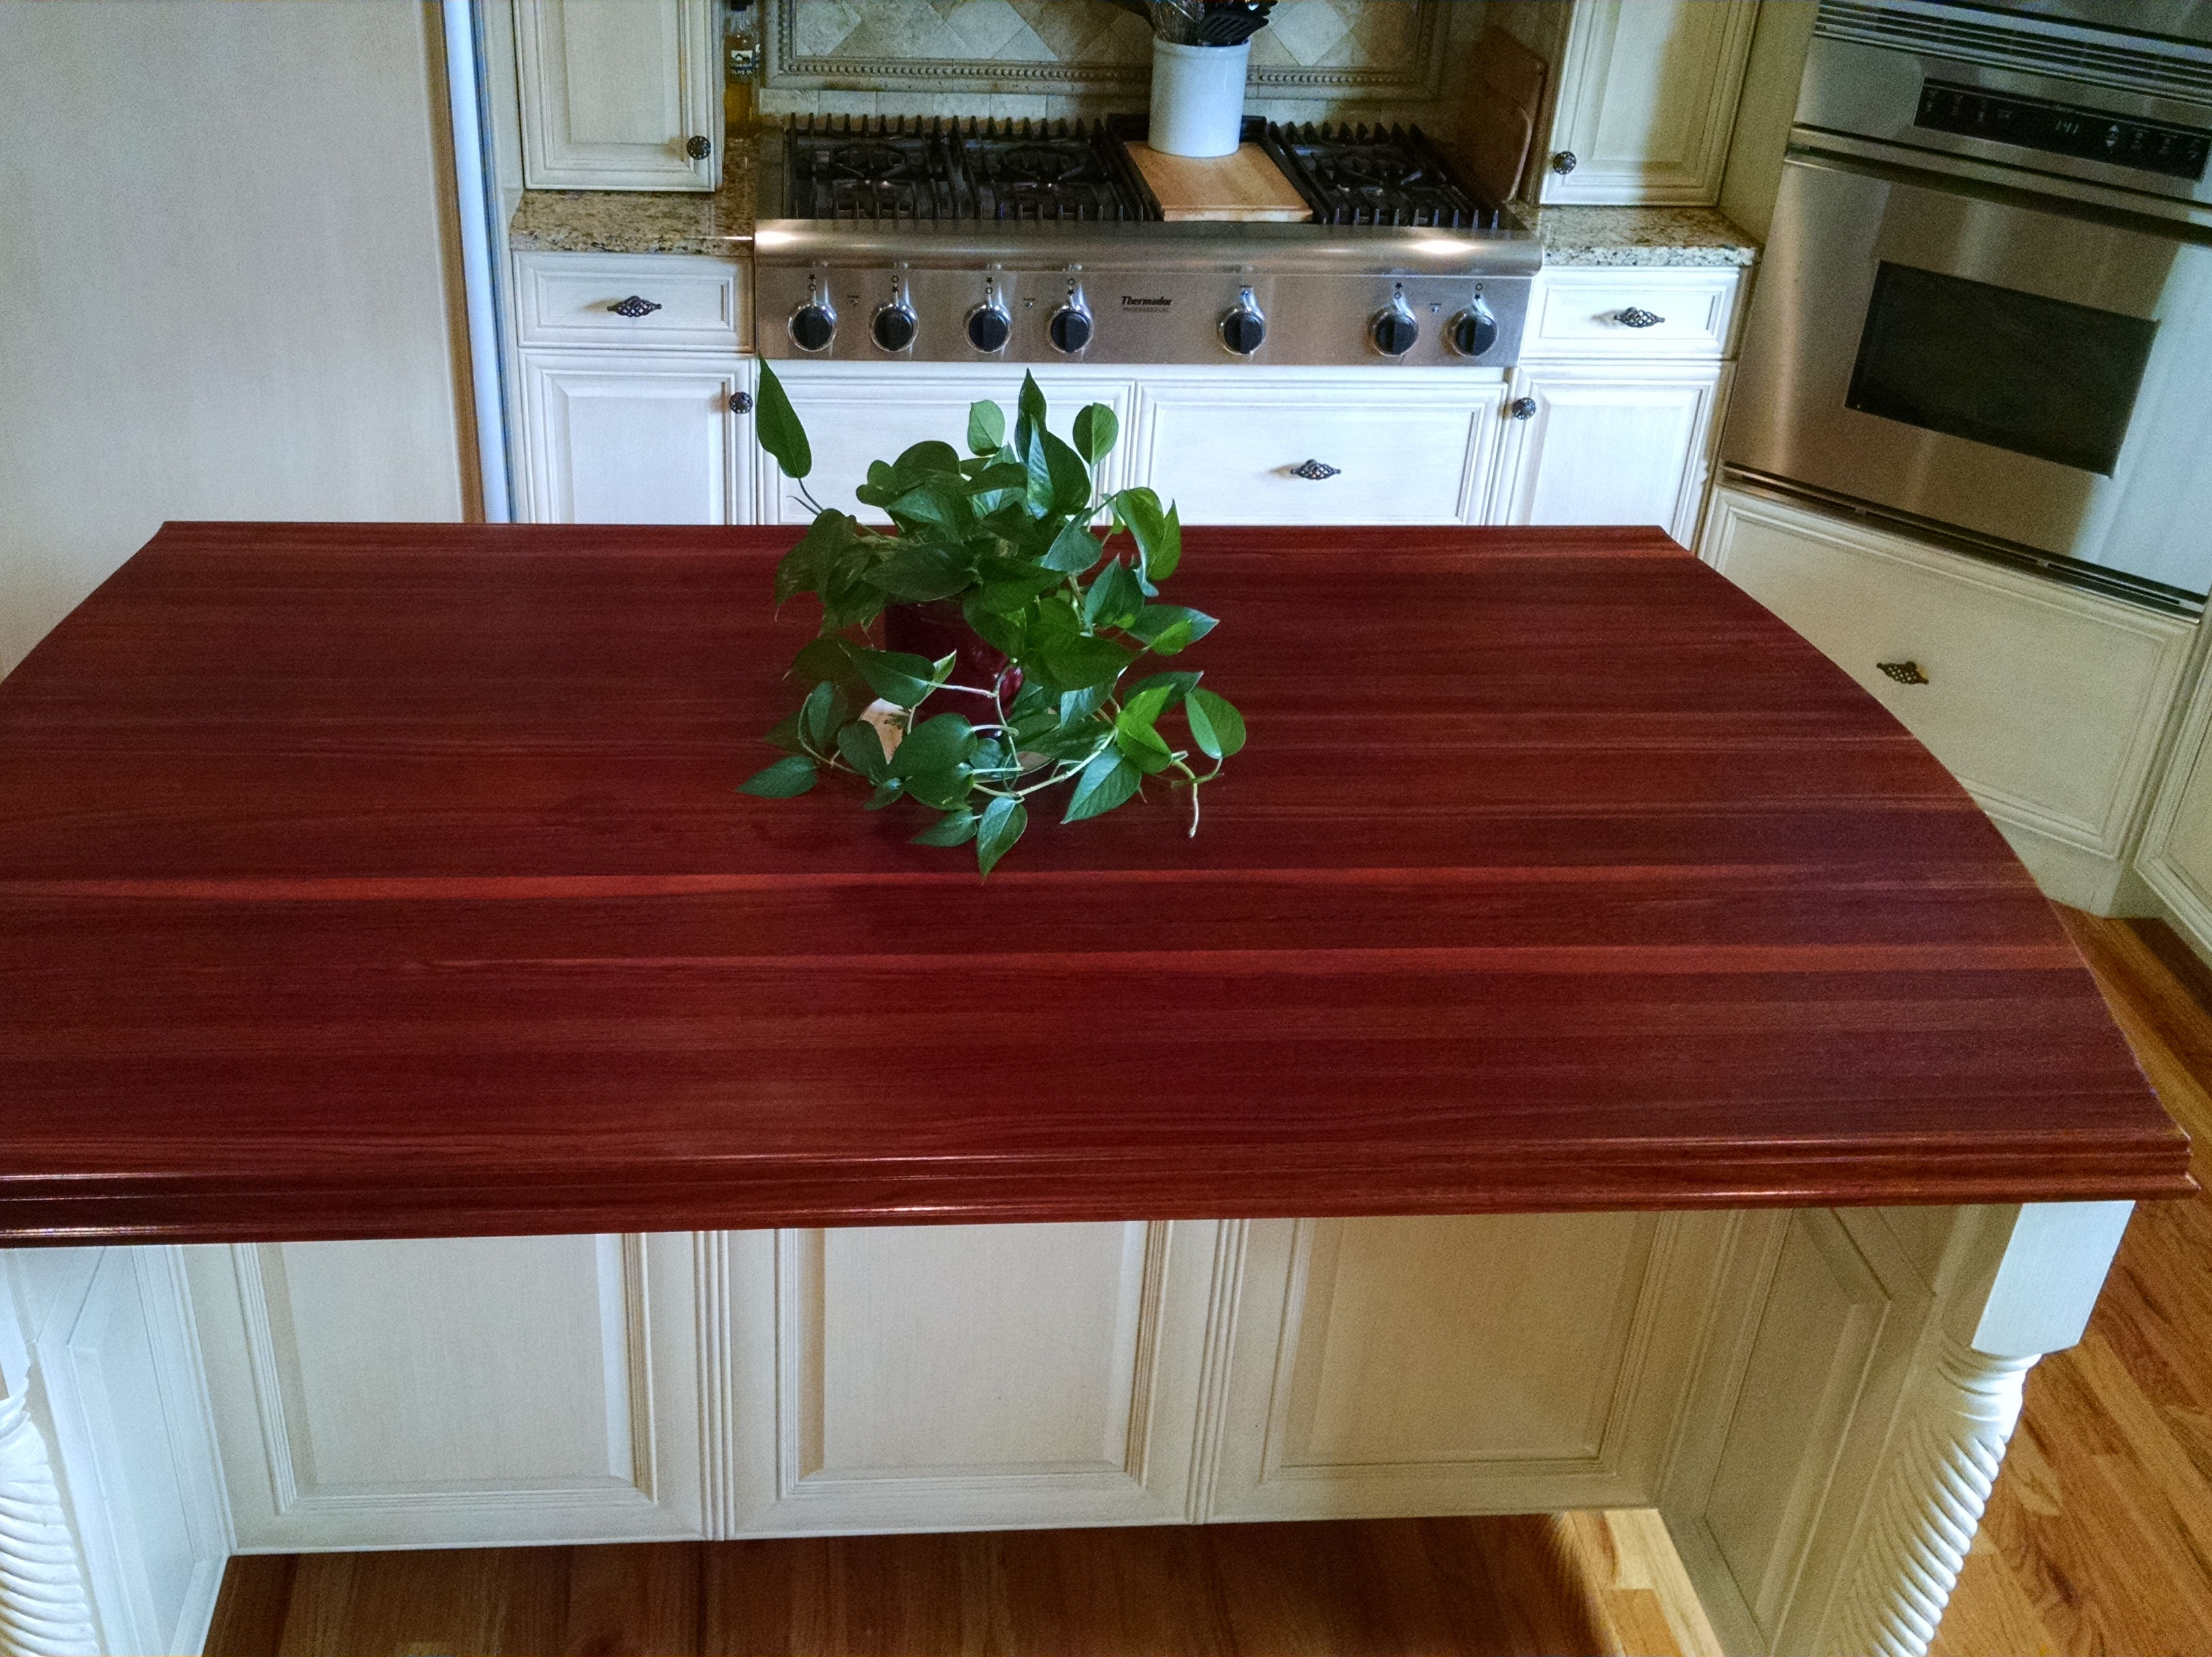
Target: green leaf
954 828
1177 685
1077 663
1071 478
987 427
784 733
999 475
886 793
799 570
819 716
1113 600
1073 551
947 791
1039 487
1155 622
775 423
1029 418
936 502
918 572
1097 427
794 774
820 658
1145 748
1001 630
1104 783
1215 725
935 745
1002 824
1081 704
924 459
1143 709
896 676
863 749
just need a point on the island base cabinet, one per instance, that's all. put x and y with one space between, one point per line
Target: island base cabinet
473 1391
1616 443
632 438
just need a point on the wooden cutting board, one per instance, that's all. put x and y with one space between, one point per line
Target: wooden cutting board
1498 119
1246 185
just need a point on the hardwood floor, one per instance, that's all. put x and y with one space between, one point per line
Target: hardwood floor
2099 1538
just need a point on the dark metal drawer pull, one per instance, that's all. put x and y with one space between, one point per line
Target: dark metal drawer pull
1314 471
1637 317
635 307
1904 673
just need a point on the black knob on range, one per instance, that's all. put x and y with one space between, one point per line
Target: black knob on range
1071 327
1474 331
893 327
1394 331
813 325
990 327
1242 327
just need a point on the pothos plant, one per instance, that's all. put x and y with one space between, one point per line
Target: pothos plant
1017 534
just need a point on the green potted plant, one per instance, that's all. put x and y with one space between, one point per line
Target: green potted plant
1013 632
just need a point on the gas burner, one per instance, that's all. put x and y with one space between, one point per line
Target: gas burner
1386 177
867 163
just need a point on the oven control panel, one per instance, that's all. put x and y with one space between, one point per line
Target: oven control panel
1094 314
2089 134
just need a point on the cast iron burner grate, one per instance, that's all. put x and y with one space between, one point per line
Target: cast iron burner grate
1393 176
936 170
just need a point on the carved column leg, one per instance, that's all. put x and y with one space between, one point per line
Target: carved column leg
44 1611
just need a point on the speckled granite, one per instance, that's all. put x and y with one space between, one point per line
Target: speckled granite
643 221
1638 235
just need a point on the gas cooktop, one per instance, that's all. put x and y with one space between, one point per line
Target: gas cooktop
969 240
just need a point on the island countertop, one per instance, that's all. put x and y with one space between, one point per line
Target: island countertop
387 880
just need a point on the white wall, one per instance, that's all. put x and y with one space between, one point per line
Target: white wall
227 279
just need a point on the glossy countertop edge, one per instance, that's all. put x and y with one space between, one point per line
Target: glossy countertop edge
720 224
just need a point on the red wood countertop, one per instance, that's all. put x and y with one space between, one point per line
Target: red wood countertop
383 880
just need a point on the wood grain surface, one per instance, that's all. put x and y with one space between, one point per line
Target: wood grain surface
381 880
1243 184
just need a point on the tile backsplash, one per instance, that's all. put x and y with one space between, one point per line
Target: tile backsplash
1359 60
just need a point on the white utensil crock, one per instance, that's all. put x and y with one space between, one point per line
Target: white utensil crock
1198 98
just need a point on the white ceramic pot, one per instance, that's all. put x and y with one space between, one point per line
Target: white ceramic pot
1198 98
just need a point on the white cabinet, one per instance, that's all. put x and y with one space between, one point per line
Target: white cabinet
855 413
1647 96
455 1392
2045 701
1611 443
2176 858
636 439
618 95
1234 446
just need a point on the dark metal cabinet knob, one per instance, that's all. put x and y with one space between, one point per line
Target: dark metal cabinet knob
741 402
698 149
1396 331
813 326
1242 327
1314 471
1637 317
1522 408
1071 327
989 328
893 327
1474 331
634 306
1564 162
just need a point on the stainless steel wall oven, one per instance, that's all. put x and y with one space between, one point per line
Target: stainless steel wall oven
1986 310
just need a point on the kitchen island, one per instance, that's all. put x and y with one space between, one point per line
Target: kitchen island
1591 1055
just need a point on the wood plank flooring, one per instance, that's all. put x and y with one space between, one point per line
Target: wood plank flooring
2097 1540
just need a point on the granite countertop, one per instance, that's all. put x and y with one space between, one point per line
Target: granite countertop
644 221
1636 235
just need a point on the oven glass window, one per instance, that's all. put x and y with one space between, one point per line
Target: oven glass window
2037 376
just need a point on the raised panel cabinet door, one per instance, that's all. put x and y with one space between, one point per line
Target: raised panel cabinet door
1501 1363
617 439
1253 447
1620 444
473 1391
1648 92
614 91
858 413
963 1377
2176 858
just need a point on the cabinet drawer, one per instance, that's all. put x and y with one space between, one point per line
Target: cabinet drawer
1601 312
1231 450
569 299
2045 701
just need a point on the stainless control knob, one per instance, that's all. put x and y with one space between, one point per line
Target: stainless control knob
1395 330
1474 331
893 325
990 327
1243 329
1070 327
